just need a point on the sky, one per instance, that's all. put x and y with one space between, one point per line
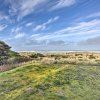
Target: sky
35 25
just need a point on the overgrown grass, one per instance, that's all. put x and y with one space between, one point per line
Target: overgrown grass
36 81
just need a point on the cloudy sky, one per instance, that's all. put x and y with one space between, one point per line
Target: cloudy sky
28 25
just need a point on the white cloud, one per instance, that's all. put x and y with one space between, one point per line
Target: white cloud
97 14
19 35
82 29
16 30
75 33
82 26
51 20
35 35
56 43
39 27
29 24
2 27
90 41
23 7
44 25
3 16
62 4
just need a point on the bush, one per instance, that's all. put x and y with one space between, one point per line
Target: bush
13 54
36 55
92 57
78 54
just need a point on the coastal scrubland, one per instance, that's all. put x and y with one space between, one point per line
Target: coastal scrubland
50 76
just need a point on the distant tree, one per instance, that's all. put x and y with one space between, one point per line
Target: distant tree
4 49
6 53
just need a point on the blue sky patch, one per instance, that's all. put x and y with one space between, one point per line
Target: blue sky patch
28 25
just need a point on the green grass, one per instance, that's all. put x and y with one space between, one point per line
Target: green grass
51 82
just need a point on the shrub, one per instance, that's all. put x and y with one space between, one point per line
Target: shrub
77 54
92 57
57 82
36 55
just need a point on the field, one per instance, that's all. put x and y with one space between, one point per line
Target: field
69 76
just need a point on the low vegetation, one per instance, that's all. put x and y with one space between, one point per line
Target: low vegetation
38 81
36 76
10 59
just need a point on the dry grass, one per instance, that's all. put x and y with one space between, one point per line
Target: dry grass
83 58
39 81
